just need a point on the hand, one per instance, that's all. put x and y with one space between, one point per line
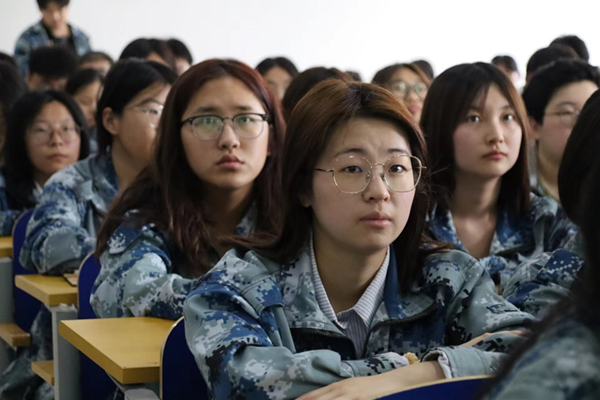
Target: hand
478 339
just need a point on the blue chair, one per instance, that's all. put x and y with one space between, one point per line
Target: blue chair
180 377
451 389
95 382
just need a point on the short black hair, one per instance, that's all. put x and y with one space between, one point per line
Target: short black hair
8 59
93 56
282 62
354 75
13 86
507 61
81 79
549 79
42 4
575 43
180 50
547 55
53 62
426 67
142 48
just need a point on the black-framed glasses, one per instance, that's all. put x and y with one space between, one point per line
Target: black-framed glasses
210 127
403 89
42 133
352 174
566 117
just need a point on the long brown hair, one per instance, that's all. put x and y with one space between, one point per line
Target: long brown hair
313 122
169 194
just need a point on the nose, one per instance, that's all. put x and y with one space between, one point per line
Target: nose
55 138
228 139
495 133
376 189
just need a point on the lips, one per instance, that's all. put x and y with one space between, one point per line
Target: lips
376 216
229 159
495 154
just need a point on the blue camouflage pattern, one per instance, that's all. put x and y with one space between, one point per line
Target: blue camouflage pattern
62 229
36 36
564 364
8 217
256 330
137 277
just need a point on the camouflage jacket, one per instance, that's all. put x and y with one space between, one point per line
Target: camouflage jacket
36 36
8 217
256 330
62 230
515 241
137 277
564 364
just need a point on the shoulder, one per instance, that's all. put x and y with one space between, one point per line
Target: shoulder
543 206
34 30
450 267
129 236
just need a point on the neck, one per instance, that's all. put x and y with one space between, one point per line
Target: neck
547 174
60 32
345 273
127 167
227 208
40 178
475 197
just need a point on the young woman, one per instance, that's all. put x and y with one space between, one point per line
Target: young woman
408 83
475 125
85 86
349 285
62 230
46 133
279 72
215 173
150 50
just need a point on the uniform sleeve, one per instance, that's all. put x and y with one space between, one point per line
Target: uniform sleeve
7 221
136 282
56 242
477 309
22 50
240 355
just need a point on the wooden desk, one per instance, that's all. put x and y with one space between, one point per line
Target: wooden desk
129 349
50 290
6 246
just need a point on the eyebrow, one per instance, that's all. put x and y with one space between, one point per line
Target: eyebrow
363 152
214 109
150 100
479 109
566 103
66 119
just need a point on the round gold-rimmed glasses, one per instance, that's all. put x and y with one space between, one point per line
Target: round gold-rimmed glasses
352 174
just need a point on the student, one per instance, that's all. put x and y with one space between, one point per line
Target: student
561 360
575 43
62 230
215 173
279 72
86 86
475 125
97 60
554 98
50 68
349 285
545 280
150 50
12 87
183 57
408 83
508 65
426 67
546 56
46 133
52 30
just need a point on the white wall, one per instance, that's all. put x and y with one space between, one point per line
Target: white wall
363 35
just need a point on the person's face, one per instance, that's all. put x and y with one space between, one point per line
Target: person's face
279 80
40 82
52 140
55 16
228 162
366 222
135 129
156 57
102 66
407 93
87 98
182 65
559 118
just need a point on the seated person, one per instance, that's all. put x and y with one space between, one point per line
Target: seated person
575 43
150 50
279 72
50 68
97 60
508 65
86 86
546 56
183 57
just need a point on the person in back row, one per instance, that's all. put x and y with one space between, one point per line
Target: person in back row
349 286
50 68
150 50
64 225
279 72
12 87
52 30
183 57
97 60
215 172
86 86
476 129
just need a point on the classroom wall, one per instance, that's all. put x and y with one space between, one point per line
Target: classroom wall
362 35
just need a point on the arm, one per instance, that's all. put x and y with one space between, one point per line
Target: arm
7 221
22 50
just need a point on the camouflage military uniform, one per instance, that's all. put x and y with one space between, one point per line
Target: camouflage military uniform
564 364
515 240
256 330
137 276
8 217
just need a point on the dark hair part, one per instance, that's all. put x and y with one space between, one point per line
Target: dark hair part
81 79
18 169
548 55
94 56
306 81
383 76
354 75
125 80
507 62
42 4
575 43
13 86
170 195
53 62
551 78
8 59
581 150
327 108
447 103
180 50
426 67
142 48
285 63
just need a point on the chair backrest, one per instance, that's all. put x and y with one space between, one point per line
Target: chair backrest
88 272
451 389
180 377
26 306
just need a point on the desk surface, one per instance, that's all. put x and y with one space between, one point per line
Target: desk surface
6 246
50 290
129 349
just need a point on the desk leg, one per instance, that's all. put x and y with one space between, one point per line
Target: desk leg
66 357
6 307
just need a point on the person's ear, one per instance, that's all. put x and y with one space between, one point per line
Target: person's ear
534 128
110 121
304 200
